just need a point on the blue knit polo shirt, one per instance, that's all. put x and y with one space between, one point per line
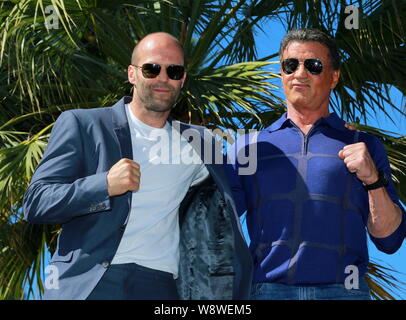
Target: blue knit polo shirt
306 213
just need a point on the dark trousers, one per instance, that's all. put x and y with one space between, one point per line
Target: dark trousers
130 281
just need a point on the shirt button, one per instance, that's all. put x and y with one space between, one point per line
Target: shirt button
105 264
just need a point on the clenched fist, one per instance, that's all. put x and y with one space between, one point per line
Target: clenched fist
358 160
123 176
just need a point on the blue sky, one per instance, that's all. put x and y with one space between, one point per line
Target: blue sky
268 43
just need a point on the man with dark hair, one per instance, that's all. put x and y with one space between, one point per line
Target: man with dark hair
317 188
134 227
312 35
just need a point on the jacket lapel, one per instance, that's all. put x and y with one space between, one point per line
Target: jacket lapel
123 134
121 128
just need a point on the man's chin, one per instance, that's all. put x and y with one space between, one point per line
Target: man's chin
299 100
158 108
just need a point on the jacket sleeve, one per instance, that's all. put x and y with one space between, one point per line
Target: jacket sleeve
391 243
59 190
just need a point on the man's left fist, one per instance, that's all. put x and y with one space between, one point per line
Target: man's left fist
358 160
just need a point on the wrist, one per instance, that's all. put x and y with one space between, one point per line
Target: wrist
372 178
109 189
379 182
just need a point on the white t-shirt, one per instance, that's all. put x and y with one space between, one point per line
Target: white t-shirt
151 238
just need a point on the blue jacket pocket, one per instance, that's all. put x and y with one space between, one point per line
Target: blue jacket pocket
62 258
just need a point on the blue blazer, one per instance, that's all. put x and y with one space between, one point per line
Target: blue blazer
69 187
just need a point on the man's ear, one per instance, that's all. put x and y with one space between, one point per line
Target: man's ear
336 78
131 74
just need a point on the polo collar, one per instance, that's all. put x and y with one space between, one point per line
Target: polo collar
332 120
279 124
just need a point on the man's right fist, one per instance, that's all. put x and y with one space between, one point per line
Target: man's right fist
123 176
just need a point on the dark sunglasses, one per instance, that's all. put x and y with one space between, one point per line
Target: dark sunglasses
152 70
314 66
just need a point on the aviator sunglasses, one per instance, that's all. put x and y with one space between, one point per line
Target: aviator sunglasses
314 66
152 70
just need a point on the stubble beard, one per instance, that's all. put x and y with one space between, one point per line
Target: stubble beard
152 103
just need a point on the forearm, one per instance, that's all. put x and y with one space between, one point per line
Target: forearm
384 215
59 202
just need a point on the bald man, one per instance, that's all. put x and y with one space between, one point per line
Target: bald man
138 223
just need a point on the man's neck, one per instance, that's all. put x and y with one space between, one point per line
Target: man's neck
151 118
305 118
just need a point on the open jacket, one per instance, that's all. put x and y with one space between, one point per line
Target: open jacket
69 187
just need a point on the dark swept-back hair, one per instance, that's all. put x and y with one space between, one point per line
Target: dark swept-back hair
313 35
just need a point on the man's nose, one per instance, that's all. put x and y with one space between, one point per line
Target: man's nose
163 75
301 71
